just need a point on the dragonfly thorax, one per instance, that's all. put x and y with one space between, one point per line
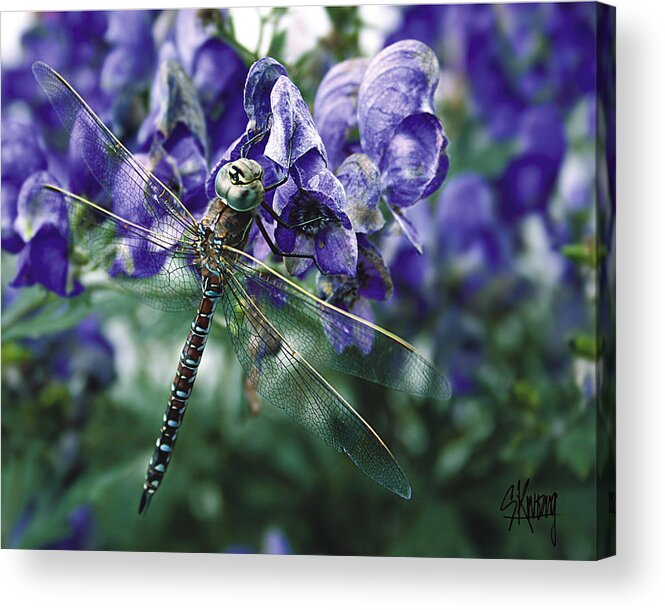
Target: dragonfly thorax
239 184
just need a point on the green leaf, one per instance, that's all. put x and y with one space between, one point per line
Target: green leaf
586 346
276 48
585 254
576 448
55 316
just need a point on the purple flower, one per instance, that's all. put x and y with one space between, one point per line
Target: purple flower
473 243
398 128
371 281
41 222
310 194
132 59
217 73
389 101
22 155
174 134
510 56
74 44
79 538
275 542
527 182
85 355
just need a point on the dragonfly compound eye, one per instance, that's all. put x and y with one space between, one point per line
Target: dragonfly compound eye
239 184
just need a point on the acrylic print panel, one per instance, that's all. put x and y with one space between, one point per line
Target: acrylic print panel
391 229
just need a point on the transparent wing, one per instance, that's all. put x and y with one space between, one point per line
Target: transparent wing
146 242
284 377
334 338
141 261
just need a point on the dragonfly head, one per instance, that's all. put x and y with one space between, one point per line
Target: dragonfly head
239 184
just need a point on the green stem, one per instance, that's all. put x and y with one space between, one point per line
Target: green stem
24 309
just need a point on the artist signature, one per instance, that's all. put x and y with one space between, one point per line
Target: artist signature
522 506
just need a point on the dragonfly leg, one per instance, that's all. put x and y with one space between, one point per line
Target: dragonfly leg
285 177
251 396
296 225
275 250
247 146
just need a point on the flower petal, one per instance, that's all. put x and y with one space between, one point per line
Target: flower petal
407 228
261 79
399 81
179 104
336 109
373 276
38 207
293 132
303 244
412 161
362 184
336 249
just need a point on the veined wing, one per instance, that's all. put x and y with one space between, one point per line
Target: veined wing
284 377
137 194
332 337
142 261
147 241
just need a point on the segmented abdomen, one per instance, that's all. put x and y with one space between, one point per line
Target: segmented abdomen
181 390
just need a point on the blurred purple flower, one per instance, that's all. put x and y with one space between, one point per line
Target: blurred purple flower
473 243
79 538
132 59
511 56
217 73
527 182
74 43
22 155
85 355
42 224
274 542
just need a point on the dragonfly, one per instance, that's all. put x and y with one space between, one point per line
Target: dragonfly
150 244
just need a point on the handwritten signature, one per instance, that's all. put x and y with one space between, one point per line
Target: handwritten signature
529 507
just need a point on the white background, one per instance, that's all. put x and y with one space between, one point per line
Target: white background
635 578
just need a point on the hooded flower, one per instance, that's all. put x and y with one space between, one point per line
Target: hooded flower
388 103
41 222
282 136
217 73
22 155
174 133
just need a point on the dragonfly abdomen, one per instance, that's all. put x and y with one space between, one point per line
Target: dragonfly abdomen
181 390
